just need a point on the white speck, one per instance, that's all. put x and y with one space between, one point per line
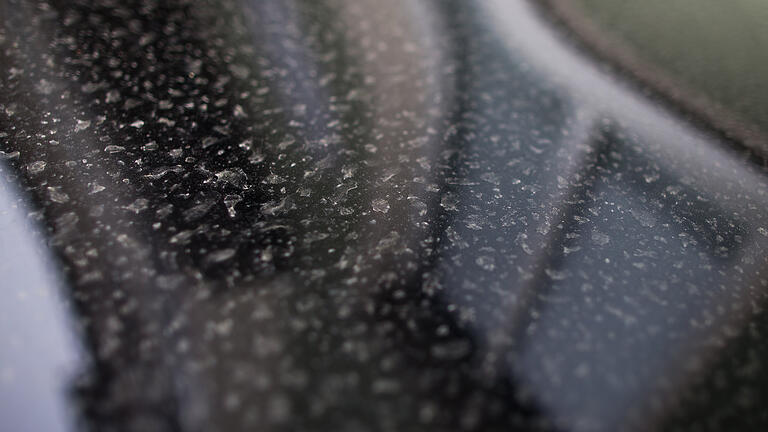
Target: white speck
266 255
182 237
235 176
221 255
36 167
384 386
600 239
114 149
66 222
490 178
126 241
131 103
650 178
628 319
388 174
274 179
160 172
56 195
486 262
146 39
273 208
138 206
45 87
137 124
82 125
209 141
91 87
646 219
239 71
224 328
449 202
166 121
419 205
474 222
556 274
380 205
453 350
388 242
96 188
230 201
112 96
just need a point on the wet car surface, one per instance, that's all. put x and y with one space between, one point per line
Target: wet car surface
363 215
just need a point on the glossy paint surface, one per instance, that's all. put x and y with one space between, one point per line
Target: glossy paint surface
366 215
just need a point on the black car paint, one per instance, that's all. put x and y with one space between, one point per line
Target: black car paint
362 215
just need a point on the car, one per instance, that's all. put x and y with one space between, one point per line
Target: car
368 216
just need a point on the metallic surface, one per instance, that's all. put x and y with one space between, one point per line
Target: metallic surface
366 215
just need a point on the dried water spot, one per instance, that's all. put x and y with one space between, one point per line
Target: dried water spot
36 167
220 255
380 205
600 239
234 176
56 195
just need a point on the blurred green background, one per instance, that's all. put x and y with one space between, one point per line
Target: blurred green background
716 47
